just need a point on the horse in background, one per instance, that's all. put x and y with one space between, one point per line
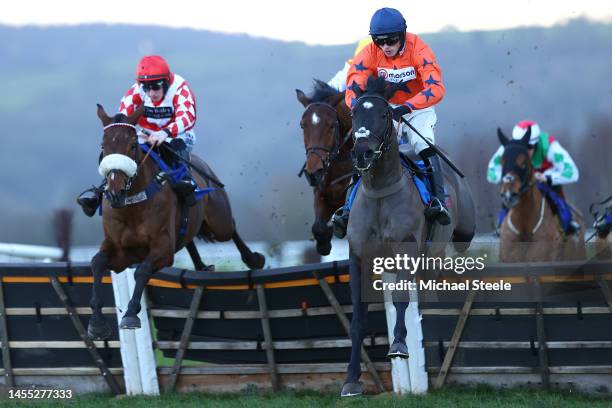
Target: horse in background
326 123
144 222
387 214
531 231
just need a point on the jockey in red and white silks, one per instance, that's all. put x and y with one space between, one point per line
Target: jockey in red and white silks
175 114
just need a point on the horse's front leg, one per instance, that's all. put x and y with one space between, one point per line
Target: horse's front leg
401 299
160 254
321 232
98 328
352 386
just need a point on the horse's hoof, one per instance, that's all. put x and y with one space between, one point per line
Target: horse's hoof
398 350
130 323
257 261
98 332
324 248
351 389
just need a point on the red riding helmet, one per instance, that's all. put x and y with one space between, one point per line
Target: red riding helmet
152 68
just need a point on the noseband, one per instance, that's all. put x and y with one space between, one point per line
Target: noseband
130 179
384 141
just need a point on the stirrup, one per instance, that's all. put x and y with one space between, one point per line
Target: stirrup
437 212
90 204
340 222
185 189
572 228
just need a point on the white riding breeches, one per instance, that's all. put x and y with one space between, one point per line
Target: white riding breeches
424 121
188 137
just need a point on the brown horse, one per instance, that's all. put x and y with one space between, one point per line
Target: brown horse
326 123
146 227
531 231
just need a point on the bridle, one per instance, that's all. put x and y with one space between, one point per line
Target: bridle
333 153
526 183
384 140
130 180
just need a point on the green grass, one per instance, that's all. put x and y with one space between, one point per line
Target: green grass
447 398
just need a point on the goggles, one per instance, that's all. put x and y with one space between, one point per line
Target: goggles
390 40
152 86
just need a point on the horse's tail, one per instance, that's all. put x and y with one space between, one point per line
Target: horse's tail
461 240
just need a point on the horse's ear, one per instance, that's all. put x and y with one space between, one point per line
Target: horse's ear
301 96
133 118
502 138
526 137
356 89
103 116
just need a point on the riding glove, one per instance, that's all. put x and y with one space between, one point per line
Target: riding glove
400 111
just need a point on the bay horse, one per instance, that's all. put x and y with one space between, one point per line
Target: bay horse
150 230
388 213
326 123
530 231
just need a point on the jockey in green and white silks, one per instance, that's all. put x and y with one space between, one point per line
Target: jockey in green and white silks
552 164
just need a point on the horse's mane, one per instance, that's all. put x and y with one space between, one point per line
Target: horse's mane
376 85
120 118
322 91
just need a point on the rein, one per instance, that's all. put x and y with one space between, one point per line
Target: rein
384 141
128 184
538 224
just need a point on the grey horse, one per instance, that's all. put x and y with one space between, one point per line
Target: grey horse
388 213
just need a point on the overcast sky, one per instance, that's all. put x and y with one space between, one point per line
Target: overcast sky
310 21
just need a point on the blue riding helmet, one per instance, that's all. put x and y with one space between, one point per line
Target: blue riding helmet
386 21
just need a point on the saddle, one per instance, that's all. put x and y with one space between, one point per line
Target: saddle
417 169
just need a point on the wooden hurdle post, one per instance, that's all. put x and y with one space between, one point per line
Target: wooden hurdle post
185 335
454 343
541 333
91 347
267 332
9 380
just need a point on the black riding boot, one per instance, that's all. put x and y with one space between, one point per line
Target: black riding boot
185 187
436 210
90 199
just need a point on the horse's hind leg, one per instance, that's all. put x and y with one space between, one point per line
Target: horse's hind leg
352 386
98 328
195 257
254 260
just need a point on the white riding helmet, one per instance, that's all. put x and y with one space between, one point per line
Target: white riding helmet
520 128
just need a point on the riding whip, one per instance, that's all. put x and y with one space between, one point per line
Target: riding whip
435 149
